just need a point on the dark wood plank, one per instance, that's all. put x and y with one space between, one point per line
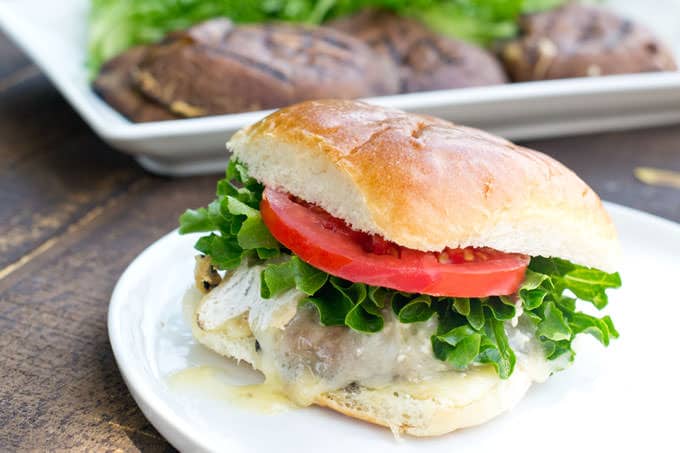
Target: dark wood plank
13 59
33 117
61 388
54 170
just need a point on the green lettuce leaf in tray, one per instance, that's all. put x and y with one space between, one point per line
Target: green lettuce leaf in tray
116 25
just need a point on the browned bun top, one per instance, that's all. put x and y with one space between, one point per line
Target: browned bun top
426 183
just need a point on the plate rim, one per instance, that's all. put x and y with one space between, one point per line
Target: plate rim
156 409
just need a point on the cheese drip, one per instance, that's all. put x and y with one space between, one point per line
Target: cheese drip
307 359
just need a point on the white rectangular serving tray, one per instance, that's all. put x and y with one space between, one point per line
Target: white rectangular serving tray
53 34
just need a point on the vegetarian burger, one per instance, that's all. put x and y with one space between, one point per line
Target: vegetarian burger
398 268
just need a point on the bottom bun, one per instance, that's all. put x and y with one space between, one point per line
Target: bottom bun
406 413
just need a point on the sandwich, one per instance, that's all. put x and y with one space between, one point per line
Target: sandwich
398 268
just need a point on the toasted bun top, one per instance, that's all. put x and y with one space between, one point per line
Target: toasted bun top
427 184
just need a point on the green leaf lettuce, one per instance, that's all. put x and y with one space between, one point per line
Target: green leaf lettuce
116 25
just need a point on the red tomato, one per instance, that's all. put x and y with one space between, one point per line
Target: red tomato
329 244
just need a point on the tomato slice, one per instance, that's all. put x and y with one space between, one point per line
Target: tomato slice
329 244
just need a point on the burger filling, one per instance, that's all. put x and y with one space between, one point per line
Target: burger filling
328 307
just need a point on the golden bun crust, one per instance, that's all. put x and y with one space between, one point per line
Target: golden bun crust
426 183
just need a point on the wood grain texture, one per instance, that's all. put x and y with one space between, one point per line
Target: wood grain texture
61 385
74 213
52 172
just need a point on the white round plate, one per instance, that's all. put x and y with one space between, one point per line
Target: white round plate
623 396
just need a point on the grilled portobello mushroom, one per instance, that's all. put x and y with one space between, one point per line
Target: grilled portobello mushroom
216 67
116 86
426 60
577 40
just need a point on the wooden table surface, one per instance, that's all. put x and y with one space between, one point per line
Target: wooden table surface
74 212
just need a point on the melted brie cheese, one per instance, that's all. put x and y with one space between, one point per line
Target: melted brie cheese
308 359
